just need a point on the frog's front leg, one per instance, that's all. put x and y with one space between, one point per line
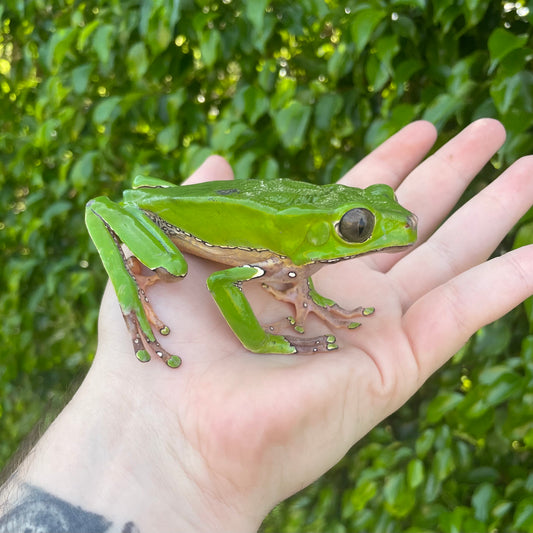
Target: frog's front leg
226 288
111 225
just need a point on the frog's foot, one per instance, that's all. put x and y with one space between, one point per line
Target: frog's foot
311 345
146 348
340 317
307 300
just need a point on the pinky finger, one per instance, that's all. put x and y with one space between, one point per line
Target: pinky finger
441 321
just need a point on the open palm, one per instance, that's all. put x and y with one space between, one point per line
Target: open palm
238 432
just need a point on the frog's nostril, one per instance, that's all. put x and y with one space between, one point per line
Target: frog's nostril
412 221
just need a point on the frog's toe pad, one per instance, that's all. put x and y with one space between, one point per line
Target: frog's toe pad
142 355
174 361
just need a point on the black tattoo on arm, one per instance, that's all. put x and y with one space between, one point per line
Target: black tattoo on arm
41 512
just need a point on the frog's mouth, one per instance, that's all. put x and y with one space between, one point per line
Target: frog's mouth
387 249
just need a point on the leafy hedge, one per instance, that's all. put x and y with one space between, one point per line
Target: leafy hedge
94 92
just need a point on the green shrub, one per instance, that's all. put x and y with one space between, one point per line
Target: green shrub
94 92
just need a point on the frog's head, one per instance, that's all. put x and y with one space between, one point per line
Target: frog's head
363 221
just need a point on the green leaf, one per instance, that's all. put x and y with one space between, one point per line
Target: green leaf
157 21
442 108
285 92
415 473
378 132
243 166
405 70
55 210
228 134
268 169
106 110
363 26
376 73
483 501
420 4
364 491
399 499
492 339
46 133
255 13
475 10
168 138
501 509
80 78
513 97
443 464
341 62
528 438
327 107
510 385
209 47
60 44
174 102
492 374
83 170
253 102
501 42
103 41
291 124
482 474
523 516
442 404
137 61
387 47
85 34
425 442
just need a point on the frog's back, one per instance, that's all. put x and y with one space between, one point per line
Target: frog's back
268 195
275 195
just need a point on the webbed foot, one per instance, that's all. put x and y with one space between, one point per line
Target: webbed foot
146 348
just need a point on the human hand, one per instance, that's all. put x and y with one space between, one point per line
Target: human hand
232 433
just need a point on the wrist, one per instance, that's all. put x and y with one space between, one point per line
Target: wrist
103 454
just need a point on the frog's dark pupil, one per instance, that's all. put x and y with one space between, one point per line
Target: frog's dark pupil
356 225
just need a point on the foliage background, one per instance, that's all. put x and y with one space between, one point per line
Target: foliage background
93 92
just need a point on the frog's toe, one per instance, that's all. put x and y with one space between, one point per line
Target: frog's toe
145 348
277 328
311 345
142 355
156 350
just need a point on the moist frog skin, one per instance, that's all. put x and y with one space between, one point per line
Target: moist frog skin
278 232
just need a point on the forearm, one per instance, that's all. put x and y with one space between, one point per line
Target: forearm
75 474
95 470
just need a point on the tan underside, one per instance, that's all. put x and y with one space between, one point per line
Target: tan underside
220 254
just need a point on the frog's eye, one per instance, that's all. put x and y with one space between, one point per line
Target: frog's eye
356 225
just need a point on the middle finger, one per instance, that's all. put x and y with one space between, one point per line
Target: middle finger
435 186
470 235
